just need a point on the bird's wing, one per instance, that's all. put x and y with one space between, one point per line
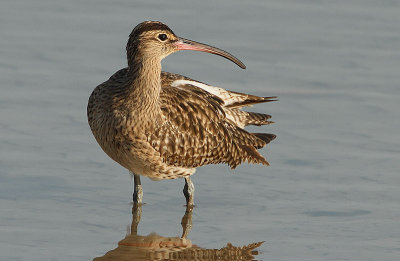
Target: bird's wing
231 99
196 131
231 102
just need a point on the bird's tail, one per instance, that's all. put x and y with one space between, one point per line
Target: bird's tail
266 137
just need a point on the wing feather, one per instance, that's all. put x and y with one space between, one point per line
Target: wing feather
196 131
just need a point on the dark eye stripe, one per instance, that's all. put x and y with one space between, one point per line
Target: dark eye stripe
162 37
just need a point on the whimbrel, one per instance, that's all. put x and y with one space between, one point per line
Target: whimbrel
163 125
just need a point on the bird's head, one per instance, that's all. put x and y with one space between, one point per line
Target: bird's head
152 39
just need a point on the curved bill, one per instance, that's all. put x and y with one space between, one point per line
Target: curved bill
185 44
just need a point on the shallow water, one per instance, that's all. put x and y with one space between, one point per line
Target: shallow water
331 192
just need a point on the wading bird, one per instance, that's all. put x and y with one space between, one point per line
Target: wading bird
163 125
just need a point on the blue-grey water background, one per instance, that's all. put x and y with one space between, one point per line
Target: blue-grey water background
332 190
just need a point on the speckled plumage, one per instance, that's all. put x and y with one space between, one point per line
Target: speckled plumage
155 126
230 101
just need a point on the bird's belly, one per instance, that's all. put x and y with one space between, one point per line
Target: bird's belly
127 144
140 158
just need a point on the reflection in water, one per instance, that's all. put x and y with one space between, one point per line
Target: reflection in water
156 247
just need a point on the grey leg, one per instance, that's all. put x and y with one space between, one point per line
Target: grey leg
136 215
137 190
188 191
187 222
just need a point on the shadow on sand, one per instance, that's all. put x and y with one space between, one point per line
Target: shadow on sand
156 247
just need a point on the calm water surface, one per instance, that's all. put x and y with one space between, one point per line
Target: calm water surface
331 192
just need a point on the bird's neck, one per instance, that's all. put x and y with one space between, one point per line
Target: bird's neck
146 85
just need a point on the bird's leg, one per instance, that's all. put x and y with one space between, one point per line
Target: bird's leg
136 215
137 190
188 191
187 222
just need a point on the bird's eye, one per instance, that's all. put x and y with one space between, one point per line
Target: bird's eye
162 37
